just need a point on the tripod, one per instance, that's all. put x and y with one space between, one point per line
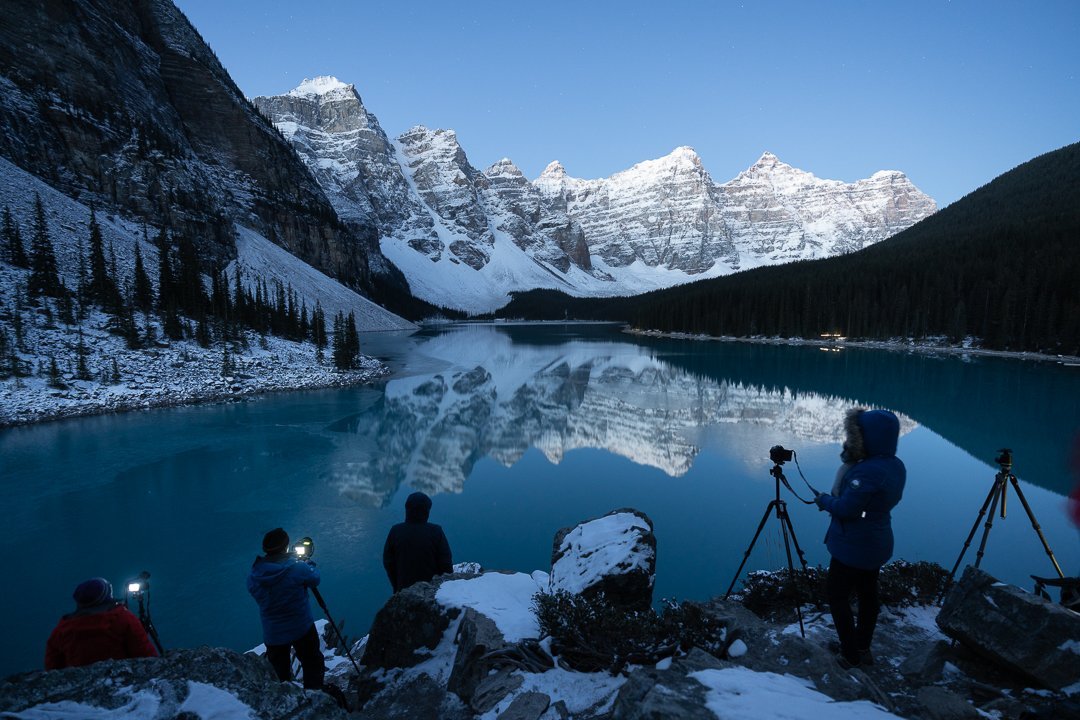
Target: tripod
141 590
337 631
998 492
787 530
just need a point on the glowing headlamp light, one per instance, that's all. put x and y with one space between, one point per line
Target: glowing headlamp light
304 548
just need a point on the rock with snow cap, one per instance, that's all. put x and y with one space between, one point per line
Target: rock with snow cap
1014 629
614 555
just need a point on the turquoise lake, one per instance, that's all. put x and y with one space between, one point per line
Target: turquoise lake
516 431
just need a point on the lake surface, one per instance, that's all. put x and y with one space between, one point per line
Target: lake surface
517 431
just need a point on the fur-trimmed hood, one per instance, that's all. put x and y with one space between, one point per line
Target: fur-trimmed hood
870 433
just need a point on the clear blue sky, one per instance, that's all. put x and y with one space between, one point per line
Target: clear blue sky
951 93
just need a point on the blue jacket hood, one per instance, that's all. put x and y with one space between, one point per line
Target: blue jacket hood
880 431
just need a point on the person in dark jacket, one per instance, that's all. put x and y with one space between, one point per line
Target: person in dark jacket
416 550
868 486
279 583
101 628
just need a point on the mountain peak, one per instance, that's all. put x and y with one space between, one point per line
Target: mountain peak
767 160
554 169
320 85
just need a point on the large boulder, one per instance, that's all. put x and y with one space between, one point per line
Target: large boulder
614 555
185 683
1016 630
408 627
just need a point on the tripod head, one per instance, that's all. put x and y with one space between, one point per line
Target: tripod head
1005 460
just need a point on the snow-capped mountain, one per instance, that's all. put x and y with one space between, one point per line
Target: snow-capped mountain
466 238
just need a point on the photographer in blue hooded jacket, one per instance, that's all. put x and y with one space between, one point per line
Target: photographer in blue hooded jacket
279 583
868 486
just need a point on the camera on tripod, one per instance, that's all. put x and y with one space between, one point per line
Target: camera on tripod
139 588
1005 458
780 455
140 585
304 549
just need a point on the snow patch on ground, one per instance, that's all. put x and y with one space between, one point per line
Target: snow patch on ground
743 694
504 598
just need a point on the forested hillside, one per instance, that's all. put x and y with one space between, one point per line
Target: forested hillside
1000 265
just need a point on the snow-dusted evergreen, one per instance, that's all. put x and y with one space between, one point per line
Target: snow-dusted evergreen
466 238
163 372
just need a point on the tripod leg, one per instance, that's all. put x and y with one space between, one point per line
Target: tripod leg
999 485
746 555
1035 524
795 540
785 526
975 526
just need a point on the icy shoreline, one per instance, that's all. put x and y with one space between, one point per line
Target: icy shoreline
926 347
182 373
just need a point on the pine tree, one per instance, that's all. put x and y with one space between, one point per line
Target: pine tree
352 340
168 302
55 379
13 246
143 292
115 371
101 288
82 370
190 292
318 327
44 277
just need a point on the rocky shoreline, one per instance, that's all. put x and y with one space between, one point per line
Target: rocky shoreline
476 645
926 347
182 373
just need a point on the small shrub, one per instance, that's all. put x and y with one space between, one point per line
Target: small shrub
589 634
771 595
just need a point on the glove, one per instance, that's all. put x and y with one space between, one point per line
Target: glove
817 501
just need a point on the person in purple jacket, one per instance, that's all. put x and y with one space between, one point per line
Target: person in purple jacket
868 486
279 583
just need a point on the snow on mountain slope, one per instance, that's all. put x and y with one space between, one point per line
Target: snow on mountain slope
466 238
164 372
260 258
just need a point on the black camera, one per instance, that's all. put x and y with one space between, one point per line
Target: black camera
1005 458
779 455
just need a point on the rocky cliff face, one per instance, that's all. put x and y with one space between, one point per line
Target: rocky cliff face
121 103
467 238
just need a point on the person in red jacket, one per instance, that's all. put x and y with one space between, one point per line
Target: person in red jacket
101 628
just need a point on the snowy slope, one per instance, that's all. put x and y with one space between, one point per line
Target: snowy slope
258 257
165 373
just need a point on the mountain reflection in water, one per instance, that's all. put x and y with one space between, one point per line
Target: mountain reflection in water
507 388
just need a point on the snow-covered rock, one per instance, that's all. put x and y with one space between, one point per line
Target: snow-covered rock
614 555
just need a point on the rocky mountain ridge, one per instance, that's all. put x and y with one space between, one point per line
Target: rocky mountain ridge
465 238
122 105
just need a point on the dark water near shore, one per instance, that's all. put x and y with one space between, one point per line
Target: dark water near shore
516 431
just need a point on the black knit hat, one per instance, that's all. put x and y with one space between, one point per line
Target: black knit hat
92 592
276 541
